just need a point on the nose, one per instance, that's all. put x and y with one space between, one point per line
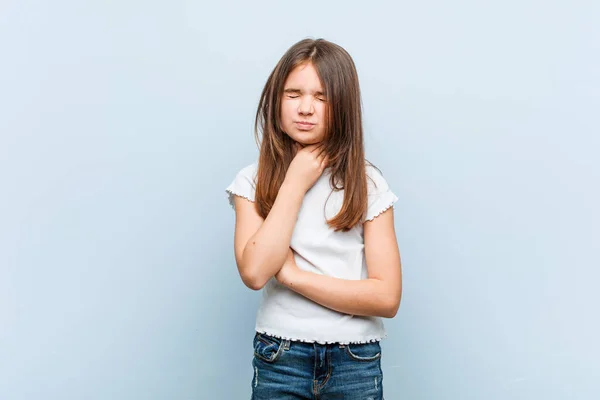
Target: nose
305 106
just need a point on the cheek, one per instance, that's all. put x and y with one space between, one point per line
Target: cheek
322 110
287 110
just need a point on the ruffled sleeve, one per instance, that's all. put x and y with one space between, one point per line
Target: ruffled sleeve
243 184
380 195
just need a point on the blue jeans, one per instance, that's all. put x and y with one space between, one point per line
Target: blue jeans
288 369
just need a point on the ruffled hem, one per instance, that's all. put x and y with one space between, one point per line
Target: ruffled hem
388 205
231 193
369 340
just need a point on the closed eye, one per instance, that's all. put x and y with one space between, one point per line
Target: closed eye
295 97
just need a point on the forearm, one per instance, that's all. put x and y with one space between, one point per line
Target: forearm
367 297
267 249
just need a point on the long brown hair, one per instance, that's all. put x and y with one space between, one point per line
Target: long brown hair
343 142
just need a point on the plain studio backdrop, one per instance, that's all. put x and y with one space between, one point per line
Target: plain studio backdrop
122 122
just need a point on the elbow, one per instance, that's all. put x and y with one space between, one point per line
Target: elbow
253 271
253 283
389 312
252 280
390 308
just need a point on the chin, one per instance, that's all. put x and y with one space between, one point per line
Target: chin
306 141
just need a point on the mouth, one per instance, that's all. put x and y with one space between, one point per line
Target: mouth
304 124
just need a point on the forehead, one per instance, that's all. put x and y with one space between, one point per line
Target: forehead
304 76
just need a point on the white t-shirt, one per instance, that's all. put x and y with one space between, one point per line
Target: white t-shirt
318 248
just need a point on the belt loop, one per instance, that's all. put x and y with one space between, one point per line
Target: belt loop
286 344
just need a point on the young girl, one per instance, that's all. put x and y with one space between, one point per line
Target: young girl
315 230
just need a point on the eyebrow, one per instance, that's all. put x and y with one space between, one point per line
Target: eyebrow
298 91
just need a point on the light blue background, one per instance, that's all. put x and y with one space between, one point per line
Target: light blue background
122 122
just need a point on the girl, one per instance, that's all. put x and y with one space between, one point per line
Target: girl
315 230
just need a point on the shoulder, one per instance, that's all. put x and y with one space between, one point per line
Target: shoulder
380 196
376 182
247 174
249 171
244 183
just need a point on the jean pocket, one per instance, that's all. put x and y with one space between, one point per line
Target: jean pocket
267 348
364 351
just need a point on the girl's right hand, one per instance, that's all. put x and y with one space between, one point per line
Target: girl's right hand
307 166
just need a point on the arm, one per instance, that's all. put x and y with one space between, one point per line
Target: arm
261 246
379 295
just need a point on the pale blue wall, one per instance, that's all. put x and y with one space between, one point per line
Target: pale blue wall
122 122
